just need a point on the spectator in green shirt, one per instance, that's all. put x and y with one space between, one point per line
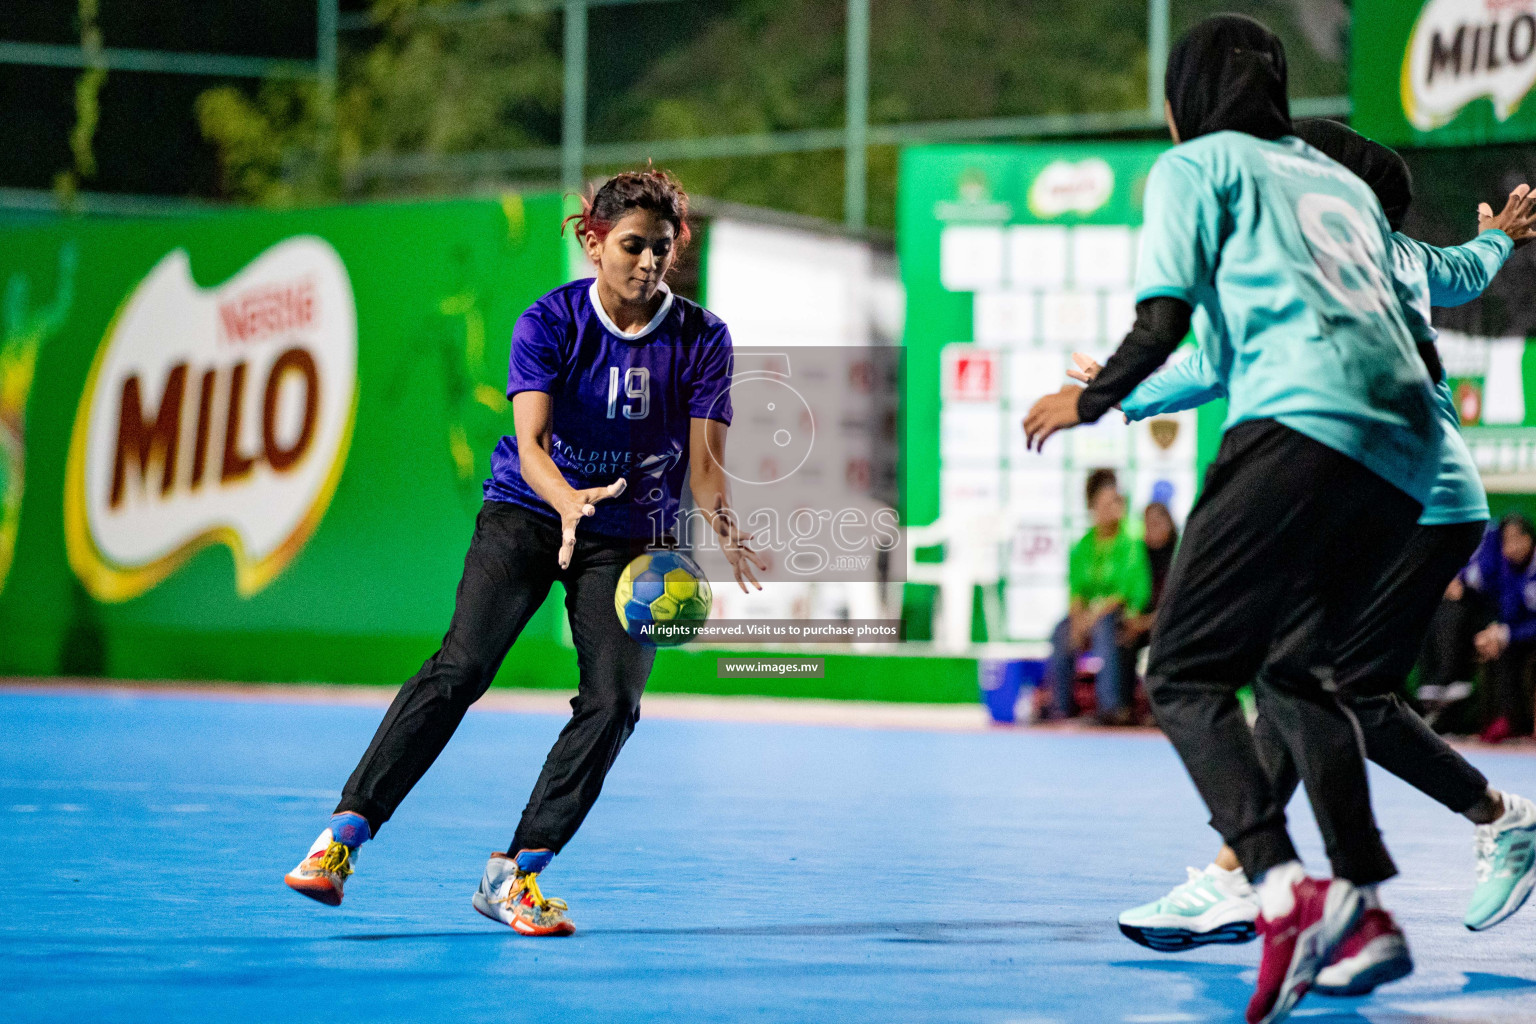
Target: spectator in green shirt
1108 580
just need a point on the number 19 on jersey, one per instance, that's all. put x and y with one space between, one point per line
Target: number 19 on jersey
637 388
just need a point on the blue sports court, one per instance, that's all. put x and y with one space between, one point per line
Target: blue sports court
423 354
732 872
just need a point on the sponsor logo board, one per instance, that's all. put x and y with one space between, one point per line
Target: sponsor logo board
1065 186
215 415
1463 50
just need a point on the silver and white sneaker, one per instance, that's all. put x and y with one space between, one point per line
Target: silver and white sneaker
1212 906
510 895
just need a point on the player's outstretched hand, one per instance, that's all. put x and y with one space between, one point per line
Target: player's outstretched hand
743 560
737 548
583 503
1050 414
1086 368
1517 219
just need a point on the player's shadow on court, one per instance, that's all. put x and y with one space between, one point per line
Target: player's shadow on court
932 932
1230 985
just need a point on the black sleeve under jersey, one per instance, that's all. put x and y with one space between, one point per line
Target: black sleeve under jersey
1431 357
1161 324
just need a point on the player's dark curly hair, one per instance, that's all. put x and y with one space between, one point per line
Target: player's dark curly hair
1097 481
651 189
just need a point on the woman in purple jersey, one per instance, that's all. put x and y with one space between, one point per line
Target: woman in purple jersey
619 389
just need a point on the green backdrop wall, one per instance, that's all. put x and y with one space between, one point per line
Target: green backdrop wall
1014 255
362 589
437 288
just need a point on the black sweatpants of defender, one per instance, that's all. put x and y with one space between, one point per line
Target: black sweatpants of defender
1371 663
511 565
1281 552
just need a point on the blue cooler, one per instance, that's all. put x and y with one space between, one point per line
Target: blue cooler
1004 683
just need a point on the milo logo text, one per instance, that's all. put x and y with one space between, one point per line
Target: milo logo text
1462 50
217 415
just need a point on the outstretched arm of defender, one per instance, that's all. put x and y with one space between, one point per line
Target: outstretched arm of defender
1458 274
531 412
1174 388
1161 324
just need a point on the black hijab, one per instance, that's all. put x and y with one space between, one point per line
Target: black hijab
1375 164
1228 74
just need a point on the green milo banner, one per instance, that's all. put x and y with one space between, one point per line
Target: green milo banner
1443 72
251 445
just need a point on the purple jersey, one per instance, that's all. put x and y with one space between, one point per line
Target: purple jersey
1511 589
621 403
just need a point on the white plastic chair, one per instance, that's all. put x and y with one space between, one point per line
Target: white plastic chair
972 558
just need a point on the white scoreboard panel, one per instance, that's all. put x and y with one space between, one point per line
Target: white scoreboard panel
1040 293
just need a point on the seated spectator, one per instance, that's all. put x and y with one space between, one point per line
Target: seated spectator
1504 573
1161 538
1108 580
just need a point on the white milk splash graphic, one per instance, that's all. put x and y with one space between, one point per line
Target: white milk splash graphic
219 415
1067 187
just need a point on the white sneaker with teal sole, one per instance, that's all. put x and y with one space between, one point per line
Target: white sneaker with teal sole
1506 864
1213 906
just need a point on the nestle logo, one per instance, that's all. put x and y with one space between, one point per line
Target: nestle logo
269 310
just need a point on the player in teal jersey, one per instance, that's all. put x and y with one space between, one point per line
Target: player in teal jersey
1217 904
1327 459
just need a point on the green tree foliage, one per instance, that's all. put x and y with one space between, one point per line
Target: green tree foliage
761 70
261 140
437 86
66 184
424 86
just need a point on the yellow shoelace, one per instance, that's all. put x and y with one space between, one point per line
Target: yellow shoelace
337 859
530 884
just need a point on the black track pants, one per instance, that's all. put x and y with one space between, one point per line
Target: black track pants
1282 552
1371 663
511 565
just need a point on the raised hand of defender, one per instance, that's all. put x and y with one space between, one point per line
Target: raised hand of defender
1050 414
1517 219
583 503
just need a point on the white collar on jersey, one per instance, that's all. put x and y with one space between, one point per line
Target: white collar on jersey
613 328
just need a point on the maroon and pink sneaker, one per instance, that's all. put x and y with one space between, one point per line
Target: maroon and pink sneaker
1372 954
1299 944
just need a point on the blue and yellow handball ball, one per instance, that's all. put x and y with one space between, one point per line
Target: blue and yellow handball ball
662 587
